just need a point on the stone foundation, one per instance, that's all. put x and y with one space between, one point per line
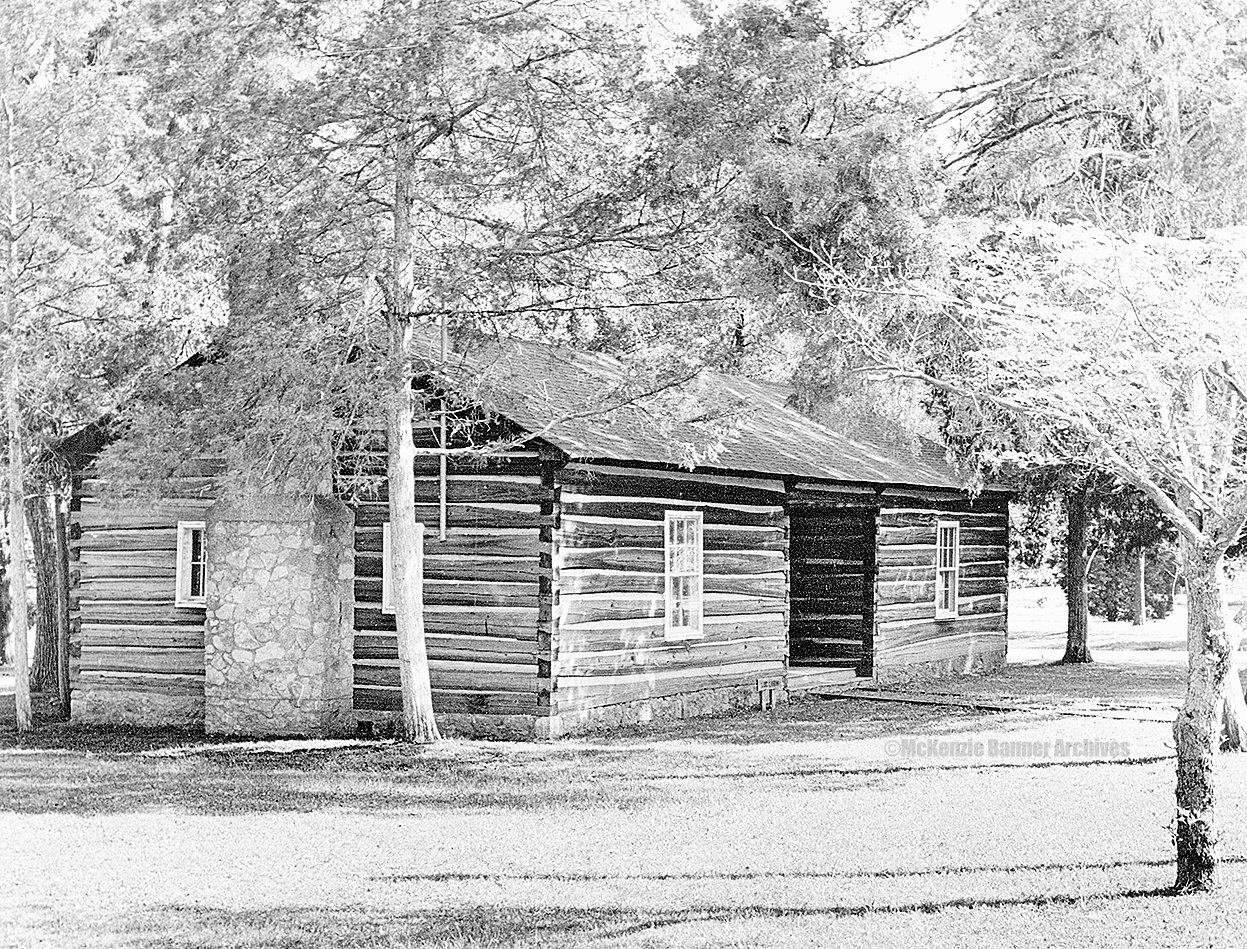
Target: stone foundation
973 664
278 633
145 708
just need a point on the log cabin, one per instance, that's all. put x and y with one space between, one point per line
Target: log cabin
602 567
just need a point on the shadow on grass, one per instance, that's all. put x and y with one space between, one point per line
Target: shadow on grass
224 789
484 925
750 875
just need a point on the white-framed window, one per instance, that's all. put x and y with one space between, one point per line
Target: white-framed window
947 568
683 558
387 565
192 564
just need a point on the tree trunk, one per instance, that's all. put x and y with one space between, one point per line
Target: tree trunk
413 662
17 562
13 428
43 549
4 585
1140 587
1077 506
61 534
1197 729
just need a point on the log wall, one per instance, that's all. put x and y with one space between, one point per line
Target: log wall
909 641
608 647
481 592
134 655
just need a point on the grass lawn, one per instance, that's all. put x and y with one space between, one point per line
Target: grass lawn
809 826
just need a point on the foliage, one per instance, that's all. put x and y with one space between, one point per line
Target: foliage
1130 113
534 211
1110 584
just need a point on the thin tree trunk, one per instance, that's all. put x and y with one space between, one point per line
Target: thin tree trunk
413 663
43 549
61 534
13 427
1198 727
1234 707
1140 587
17 563
1077 505
4 583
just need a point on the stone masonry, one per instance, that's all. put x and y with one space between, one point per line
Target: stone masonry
278 634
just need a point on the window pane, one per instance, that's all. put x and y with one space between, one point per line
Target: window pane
197 579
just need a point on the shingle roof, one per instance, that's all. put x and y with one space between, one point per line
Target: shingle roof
593 407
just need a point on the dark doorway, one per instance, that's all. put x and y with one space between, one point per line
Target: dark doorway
832 554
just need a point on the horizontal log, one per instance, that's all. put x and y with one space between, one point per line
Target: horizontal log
988 569
494 514
976 586
115 540
161 559
688 655
93 515
984 568
922 591
164 573
358 464
821 552
580 692
603 532
829 563
915 631
908 498
841 627
195 492
466 593
158 589
511 624
655 510
897 517
911 574
368 547
152 636
802 501
824 585
99 658
451 567
458 648
922 555
961 642
591 637
173 684
926 535
452 674
467 489
925 607
589 608
449 702
113 612
626 581
807 607
684 486
831 523
651 561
